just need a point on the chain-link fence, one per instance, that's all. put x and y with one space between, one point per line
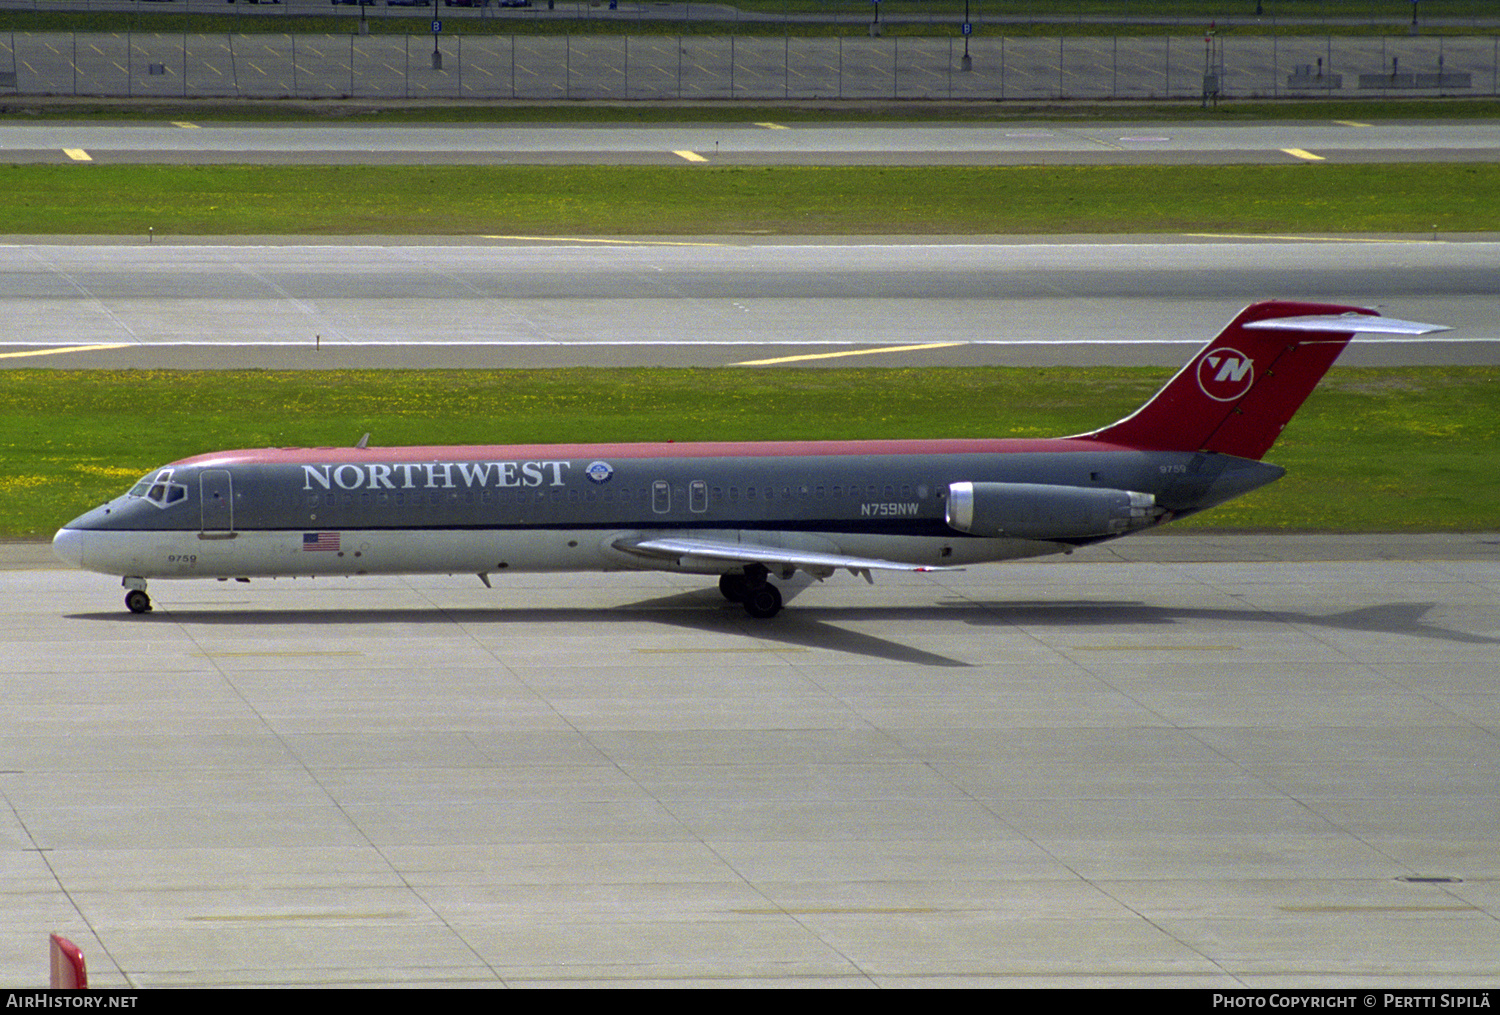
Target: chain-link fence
741 67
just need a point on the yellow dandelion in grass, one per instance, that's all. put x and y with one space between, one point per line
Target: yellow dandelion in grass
10 484
108 471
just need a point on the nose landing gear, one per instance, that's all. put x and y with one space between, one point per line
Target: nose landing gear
136 600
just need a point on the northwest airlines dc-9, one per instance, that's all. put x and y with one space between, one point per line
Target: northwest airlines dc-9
744 512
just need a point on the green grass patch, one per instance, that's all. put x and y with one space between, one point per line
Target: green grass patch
1373 450
1205 11
611 200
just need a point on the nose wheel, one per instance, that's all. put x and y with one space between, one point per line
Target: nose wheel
136 601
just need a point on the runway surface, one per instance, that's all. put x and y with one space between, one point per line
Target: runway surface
1197 761
921 143
533 302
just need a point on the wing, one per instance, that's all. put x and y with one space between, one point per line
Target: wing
819 565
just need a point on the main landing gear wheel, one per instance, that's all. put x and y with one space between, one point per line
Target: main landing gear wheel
136 601
733 586
762 600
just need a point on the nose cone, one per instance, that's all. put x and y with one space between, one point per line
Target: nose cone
68 545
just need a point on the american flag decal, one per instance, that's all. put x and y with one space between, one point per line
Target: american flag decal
315 541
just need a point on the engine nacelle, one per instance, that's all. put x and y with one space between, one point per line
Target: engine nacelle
1036 511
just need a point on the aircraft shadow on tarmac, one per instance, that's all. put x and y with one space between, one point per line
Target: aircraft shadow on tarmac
818 627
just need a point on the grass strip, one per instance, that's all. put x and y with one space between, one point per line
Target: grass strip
1373 450
613 200
1206 11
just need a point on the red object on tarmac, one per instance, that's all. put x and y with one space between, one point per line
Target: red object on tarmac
68 969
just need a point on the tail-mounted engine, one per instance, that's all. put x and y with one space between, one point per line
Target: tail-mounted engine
1032 511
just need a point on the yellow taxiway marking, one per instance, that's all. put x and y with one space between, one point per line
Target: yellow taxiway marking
690 156
686 651
1350 123
273 655
262 917
773 126
1300 239
1378 909
1156 648
185 125
56 352
77 154
837 910
1302 153
852 352
592 239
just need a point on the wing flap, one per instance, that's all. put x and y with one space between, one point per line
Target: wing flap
751 553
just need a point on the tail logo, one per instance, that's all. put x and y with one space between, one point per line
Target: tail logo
1225 374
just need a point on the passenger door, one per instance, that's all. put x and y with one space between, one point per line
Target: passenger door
216 499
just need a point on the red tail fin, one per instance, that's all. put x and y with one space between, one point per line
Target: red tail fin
1242 388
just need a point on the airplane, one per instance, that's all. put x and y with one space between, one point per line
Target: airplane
744 512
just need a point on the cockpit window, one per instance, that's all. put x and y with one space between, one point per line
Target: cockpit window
159 489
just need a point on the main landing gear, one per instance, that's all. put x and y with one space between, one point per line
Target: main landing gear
749 588
136 600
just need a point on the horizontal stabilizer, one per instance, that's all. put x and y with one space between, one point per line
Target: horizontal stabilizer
1354 324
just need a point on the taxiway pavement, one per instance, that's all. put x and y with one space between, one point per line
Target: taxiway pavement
1208 761
820 144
